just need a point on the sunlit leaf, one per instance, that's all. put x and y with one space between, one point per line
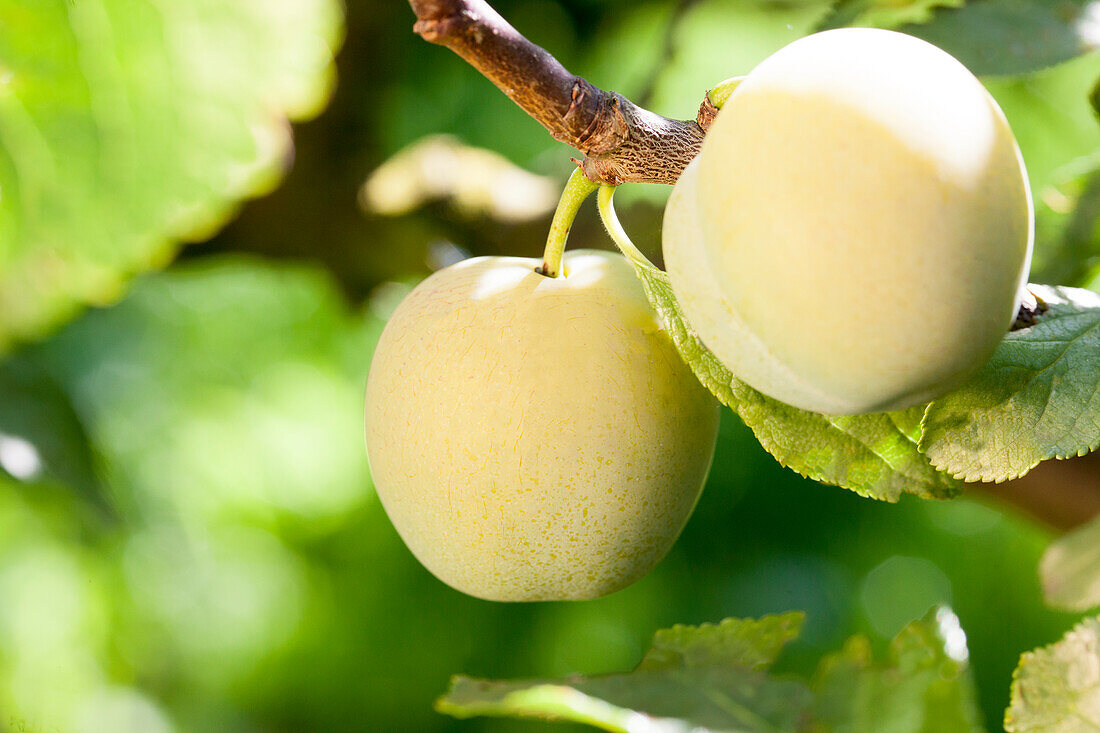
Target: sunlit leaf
1056 688
56 589
224 398
1070 569
923 686
477 182
717 39
127 126
237 371
714 678
709 678
1037 398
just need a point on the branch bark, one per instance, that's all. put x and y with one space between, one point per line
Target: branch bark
621 141
1059 494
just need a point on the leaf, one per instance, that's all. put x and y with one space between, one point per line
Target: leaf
865 453
129 125
868 454
884 13
999 37
633 47
1056 688
750 643
711 372
1070 569
41 436
250 376
924 685
908 421
704 676
1058 166
441 167
715 678
1037 398
1094 98
224 399
1071 247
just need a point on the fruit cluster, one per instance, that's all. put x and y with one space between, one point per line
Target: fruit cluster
853 237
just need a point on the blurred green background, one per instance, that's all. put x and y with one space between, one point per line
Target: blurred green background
189 540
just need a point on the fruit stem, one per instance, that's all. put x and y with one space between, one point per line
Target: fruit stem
614 227
576 191
722 91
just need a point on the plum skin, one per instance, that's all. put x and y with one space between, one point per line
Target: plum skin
535 438
856 233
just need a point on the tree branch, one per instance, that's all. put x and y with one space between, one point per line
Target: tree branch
1060 494
621 141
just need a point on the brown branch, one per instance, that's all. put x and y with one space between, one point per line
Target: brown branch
1060 494
621 141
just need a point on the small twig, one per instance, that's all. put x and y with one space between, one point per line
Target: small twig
621 141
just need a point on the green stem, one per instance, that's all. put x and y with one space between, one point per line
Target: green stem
576 191
615 228
720 93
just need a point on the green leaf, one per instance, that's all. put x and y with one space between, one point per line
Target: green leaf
1071 245
999 37
884 13
129 125
1037 398
868 454
224 399
1056 688
705 676
1060 166
1051 99
41 436
924 685
908 421
247 374
715 678
1070 569
750 643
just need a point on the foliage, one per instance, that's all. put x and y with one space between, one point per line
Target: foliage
1056 689
126 126
245 377
188 539
1070 569
717 678
1037 398
885 13
998 37
1060 167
